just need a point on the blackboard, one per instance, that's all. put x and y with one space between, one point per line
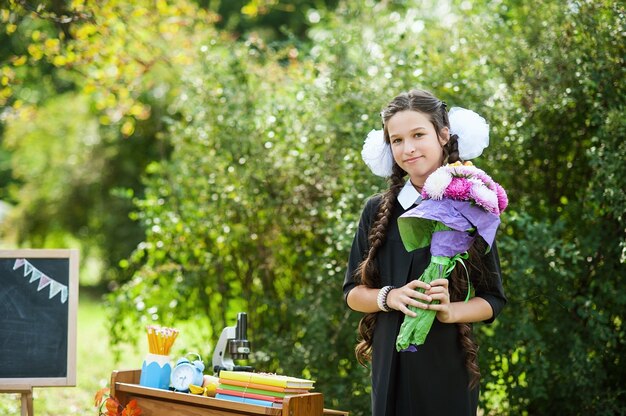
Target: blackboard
38 305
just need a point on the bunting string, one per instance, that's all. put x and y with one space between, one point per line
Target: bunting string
44 281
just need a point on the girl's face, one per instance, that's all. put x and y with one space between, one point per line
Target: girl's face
415 144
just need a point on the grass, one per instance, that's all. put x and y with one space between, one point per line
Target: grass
94 366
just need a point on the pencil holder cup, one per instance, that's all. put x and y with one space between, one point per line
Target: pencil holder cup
156 371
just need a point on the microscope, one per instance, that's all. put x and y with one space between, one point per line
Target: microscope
233 340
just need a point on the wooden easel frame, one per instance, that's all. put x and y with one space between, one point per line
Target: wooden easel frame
27 401
24 386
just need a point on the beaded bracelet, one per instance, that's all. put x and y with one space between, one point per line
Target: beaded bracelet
381 299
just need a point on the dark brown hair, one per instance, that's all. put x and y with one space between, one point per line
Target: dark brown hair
368 274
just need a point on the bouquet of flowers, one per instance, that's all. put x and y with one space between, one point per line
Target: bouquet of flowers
460 203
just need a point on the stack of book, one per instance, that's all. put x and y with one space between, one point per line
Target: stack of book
263 389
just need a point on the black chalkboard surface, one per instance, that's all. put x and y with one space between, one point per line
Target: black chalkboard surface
38 302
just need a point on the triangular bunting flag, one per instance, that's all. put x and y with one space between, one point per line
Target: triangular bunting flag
43 282
35 276
27 268
18 263
55 287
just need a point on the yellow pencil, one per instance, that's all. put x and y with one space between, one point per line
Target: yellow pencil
160 339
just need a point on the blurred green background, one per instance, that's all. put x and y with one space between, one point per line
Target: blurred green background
205 159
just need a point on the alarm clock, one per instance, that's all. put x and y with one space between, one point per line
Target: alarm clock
187 372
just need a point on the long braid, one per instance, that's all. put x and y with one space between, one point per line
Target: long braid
470 348
458 291
367 274
451 149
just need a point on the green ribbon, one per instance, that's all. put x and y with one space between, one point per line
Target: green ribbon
449 263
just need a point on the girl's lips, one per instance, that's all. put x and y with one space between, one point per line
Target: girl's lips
413 159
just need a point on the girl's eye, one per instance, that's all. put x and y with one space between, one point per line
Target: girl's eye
396 140
418 135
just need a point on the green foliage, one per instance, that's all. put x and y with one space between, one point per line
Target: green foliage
253 182
257 205
272 20
38 158
240 217
564 331
84 86
68 178
560 344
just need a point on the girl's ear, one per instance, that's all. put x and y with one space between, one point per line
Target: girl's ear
444 136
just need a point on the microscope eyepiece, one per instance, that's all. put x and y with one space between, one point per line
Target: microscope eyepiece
239 348
241 330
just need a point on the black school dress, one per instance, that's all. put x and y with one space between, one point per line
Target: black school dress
433 380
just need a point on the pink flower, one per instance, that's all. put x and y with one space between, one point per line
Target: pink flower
485 197
458 189
486 179
503 199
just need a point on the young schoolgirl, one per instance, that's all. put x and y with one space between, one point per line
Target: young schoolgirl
442 376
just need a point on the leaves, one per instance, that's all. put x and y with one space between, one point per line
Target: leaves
99 397
562 85
242 159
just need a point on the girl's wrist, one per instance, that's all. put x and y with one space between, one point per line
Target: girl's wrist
381 298
449 317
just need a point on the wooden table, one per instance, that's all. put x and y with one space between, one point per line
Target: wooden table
156 402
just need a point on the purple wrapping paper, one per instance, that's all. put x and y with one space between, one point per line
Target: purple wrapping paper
450 243
458 215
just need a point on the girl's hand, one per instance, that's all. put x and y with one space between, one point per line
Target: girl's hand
408 295
439 291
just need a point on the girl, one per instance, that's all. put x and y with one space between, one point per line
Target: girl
442 376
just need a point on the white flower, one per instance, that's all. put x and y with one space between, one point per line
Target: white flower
472 129
437 182
377 154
